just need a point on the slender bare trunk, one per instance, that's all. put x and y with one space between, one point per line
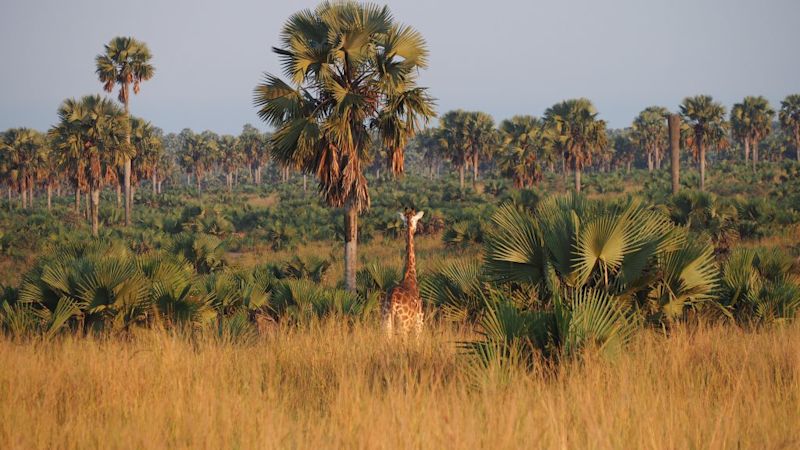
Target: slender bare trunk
675 149
95 206
755 153
8 189
77 199
127 169
350 246
577 178
746 151
461 177
24 193
475 162
702 167
49 196
119 195
649 161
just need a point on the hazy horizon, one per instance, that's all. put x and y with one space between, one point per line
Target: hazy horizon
505 58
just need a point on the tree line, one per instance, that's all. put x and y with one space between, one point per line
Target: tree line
571 137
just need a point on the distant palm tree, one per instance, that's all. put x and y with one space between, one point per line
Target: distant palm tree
22 153
790 119
524 149
125 62
455 140
706 118
98 130
650 132
482 137
229 158
351 67
573 127
751 122
146 139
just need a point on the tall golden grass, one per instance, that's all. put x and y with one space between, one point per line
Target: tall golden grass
332 386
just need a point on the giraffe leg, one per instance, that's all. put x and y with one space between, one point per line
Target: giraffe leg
418 320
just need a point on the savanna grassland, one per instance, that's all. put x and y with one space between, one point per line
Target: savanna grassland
582 286
330 386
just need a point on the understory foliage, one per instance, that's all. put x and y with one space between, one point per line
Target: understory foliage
593 272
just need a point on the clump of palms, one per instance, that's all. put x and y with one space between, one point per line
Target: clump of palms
706 118
351 67
574 130
751 122
92 136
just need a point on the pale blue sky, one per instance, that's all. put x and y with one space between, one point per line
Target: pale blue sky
505 57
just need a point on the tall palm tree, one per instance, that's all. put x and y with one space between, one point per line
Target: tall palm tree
126 63
573 127
229 158
98 130
705 117
351 66
482 136
790 119
524 148
650 132
146 141
751 122
455 140
255 150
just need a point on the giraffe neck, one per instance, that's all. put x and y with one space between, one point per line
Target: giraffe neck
411 260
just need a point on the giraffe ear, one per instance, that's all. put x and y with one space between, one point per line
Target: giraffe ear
402 216
418 216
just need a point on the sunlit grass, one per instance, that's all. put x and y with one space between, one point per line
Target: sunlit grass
335 387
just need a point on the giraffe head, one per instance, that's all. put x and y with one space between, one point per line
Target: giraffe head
410 218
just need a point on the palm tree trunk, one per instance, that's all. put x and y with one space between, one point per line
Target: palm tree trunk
119 195
475 161
8 189
127 170
154 182
674 128
77 199
746 151
24 193
755 154
49 196
649 162
797 142
577 178
87 212
702 167
461 177
197 179
30 194
95 206
350 246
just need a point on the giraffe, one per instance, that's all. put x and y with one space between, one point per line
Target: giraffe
402 307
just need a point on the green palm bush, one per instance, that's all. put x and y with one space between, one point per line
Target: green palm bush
758 286
597 268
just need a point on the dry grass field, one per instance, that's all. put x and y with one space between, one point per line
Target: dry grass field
331 386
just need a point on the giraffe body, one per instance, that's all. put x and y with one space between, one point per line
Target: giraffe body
401 310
